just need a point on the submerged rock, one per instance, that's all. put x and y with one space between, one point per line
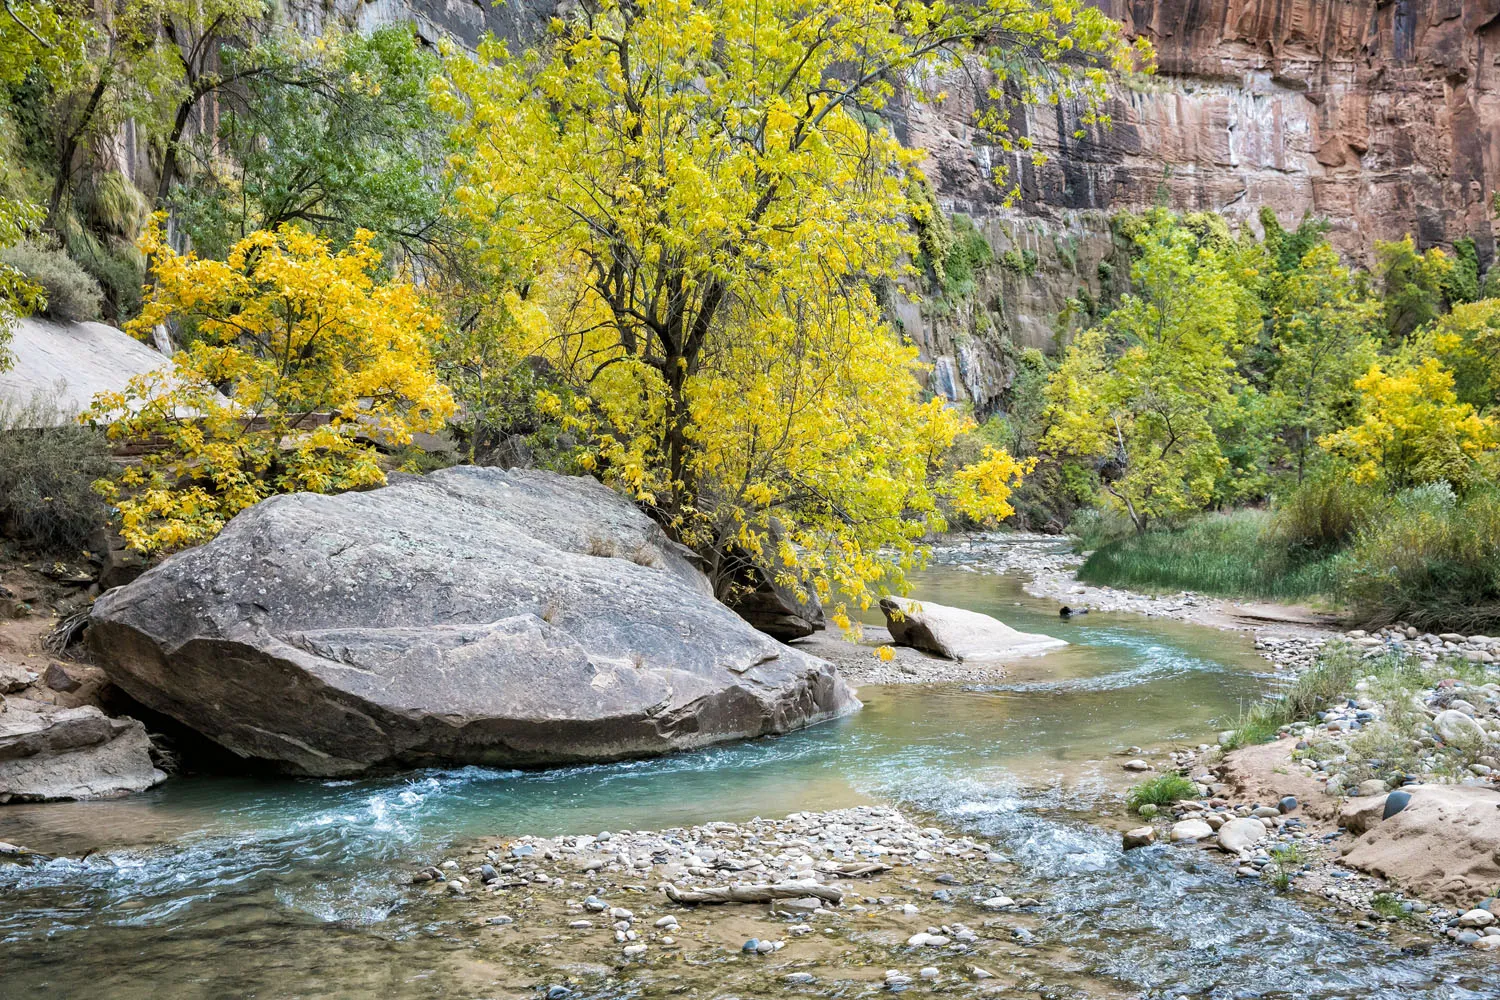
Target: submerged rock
49 753
472 616
957 633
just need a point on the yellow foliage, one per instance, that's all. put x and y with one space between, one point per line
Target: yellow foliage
1412 429
315 359
697 200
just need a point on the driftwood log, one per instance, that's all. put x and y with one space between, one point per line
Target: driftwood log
853 869
743 893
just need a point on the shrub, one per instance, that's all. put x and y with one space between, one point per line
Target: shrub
1160 791
1093 527
71 293
1431 562
1324 513
48 465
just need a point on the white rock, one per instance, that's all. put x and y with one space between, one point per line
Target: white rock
1241 834
1476 918
1192 829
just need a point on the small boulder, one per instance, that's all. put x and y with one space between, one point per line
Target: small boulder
1141 836
958 634
1190 829
1456 727
1241 834
1371 786
1476 918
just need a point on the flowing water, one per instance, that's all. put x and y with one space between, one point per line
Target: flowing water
238 887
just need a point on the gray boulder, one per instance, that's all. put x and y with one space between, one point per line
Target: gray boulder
484 616
1241 834
957 633
49 753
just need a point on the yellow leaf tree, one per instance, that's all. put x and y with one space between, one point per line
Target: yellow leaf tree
700 197
300 359
1411 429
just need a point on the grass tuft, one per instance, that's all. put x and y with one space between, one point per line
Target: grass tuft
1160 791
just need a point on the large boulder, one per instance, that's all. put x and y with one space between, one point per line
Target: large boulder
49 753
1443 844
957 633
477 616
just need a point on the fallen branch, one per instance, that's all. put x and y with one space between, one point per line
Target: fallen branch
741 893
853 869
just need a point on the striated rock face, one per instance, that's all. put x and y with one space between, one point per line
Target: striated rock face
49 753
472 616
1381 115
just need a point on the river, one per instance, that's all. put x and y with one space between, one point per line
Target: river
240 887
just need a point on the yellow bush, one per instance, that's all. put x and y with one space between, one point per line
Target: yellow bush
300 359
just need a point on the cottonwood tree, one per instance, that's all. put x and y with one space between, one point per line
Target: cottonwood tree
699 198
1139 393
1323 341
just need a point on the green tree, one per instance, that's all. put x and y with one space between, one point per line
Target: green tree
337 134
1322 339
1139 392
1413 285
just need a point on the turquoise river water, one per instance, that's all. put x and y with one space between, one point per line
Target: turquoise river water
241 887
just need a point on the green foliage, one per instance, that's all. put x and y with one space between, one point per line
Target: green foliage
1324 513
1221 554
1413 284
1162 790
1430 560
1322 323
1462 282
1142 389
967 256
71 293
114 207
1022 262
336 136
48 465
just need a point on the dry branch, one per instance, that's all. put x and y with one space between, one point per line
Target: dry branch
743 893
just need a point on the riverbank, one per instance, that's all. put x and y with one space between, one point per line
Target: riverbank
860 895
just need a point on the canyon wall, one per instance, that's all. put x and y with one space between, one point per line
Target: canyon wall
1381 115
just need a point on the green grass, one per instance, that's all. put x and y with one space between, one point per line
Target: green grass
1226 555
1290 856
1279 878
1160 791
1328 678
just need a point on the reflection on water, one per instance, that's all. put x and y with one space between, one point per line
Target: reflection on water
220 887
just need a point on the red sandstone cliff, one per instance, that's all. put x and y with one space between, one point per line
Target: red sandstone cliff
1381 115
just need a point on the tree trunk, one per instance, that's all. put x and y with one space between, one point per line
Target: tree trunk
70 149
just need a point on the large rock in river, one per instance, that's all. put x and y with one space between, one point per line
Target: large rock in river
470 616
957 633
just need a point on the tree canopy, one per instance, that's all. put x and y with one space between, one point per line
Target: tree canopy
700 204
